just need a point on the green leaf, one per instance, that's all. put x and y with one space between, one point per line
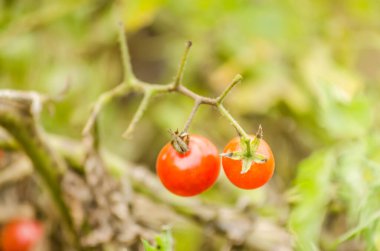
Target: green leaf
312 193
359 189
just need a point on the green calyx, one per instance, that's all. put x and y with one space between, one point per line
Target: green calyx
248 153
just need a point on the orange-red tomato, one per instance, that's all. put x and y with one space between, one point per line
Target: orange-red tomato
21 235
192 172
258 174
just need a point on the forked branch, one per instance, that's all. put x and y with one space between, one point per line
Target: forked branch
149 90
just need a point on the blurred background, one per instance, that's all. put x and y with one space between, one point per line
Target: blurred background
311 79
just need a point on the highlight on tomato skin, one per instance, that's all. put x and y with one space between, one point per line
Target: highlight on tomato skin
192 172
259 173
21 235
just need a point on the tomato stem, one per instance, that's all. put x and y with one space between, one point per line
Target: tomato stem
106 97
126 61
223 111
139 113
191 116
237 79
131 83
180 141
178 78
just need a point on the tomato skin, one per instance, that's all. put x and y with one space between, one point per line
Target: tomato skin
258 174
21 235
192 172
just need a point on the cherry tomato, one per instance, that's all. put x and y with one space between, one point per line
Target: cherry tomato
192 172
21 235
258 174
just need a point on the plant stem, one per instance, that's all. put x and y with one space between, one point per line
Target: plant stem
237 79
131 83
139 113
233 122
119 90
204 100
191 116
129 77
178 78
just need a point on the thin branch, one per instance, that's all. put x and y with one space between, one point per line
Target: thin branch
204 100
192 114
178 78
129 77
106 97
233 122
237 79
150 90
139 113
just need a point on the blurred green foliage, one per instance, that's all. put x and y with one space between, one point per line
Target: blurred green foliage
311 79
163 242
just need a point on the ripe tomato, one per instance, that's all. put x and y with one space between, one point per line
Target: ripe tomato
189 173
258 174
21 235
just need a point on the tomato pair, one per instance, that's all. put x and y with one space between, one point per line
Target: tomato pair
21 235
192 172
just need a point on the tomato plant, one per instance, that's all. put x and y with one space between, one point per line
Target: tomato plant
258 174
191 172
21 235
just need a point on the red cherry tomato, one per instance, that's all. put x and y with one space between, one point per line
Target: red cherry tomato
21 235
258 174
192 172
